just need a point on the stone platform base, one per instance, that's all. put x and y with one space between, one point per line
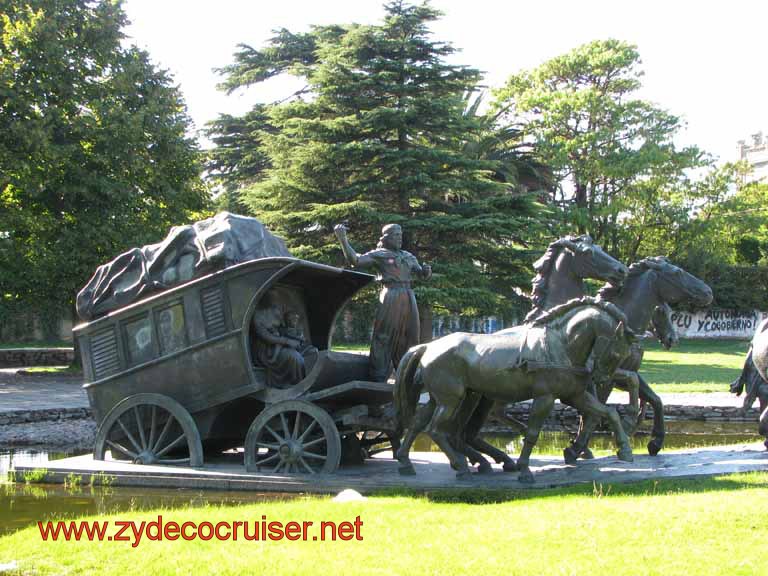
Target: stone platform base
432 473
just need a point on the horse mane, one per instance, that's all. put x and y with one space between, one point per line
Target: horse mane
543 267
559 311
610 291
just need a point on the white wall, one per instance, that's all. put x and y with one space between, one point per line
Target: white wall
717 323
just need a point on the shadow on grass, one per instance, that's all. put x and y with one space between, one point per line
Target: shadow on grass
597 490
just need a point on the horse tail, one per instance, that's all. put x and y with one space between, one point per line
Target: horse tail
407 389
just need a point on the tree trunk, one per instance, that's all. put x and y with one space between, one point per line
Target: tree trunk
425 318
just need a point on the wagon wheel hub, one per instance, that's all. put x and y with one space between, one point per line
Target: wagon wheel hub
147 457
290 451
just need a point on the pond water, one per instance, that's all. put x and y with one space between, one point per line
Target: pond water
24 505
680 435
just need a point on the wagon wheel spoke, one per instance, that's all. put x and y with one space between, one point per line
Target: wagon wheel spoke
284 422
276 469
171 445
121 448
140 426
275 434
306 466
309 429
163 432
296 425
176 461
267 459
152 424
313 442
268 446
129 435
313 455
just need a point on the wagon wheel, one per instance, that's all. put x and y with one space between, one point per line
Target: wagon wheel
293 436
150 429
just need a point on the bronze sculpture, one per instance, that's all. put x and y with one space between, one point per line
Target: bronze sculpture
650 283
544 360
279 354
396 327
560 275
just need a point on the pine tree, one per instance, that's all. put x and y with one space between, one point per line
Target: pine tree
379 135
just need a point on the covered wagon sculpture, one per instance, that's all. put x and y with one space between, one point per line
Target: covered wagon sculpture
233 350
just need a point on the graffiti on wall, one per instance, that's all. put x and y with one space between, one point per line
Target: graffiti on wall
717 323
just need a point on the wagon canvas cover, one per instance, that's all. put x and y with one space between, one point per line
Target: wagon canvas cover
187 252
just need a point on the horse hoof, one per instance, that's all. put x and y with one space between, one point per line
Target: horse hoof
463 475
587 454
484 468
526 477
511 466
625 455
654 447
569 455
407 470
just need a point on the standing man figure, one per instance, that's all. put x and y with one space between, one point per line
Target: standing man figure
396 327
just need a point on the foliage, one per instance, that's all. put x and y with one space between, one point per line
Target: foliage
380 134
94 156
611 151
35 476
714 227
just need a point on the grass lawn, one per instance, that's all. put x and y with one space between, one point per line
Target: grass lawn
55 370
684 527
693 365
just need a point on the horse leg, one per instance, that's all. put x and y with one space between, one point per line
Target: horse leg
590 405
441 428
630 382
420 420
579 448
465 425
657 433
540 409
472 436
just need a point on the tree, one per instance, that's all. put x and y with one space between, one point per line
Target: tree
609 150
378 135
94 156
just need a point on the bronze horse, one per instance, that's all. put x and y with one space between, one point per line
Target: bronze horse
560 275
542 361
650 283
755 376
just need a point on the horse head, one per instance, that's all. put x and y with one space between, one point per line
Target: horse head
588 260
661 322
563 267
674 285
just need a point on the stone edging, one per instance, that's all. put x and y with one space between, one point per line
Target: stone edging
15 357
563 414
25 416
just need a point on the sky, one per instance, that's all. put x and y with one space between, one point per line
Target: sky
704 61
